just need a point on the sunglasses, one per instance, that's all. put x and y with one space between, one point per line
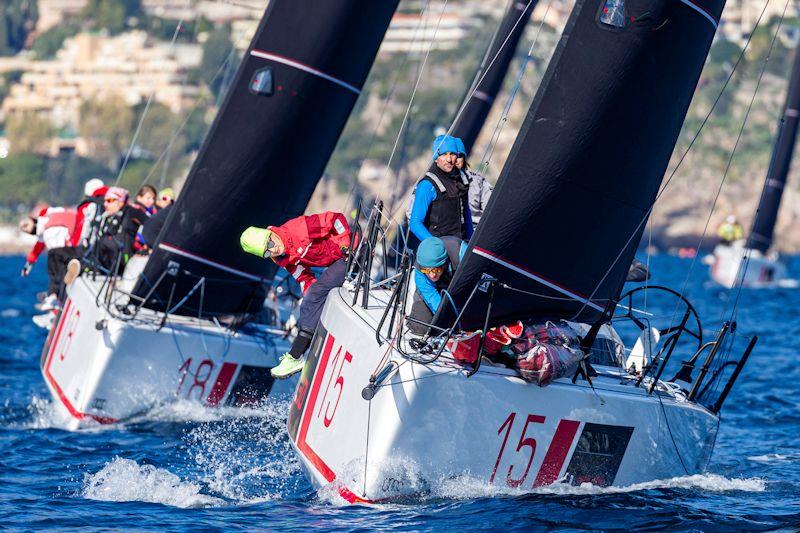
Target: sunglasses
270 247
111 200
431 270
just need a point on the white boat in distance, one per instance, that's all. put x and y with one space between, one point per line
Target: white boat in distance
750 263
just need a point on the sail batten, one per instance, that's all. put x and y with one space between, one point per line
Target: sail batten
573 197
266 150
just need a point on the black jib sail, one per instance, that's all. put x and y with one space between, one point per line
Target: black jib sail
492 72
573 198
767 213
266 150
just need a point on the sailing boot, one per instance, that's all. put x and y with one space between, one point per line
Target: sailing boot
288 366
73 269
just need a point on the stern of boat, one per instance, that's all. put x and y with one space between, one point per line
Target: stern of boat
429 424
102 368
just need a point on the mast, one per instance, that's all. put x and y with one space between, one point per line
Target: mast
767 212
266 150
575 193
489 78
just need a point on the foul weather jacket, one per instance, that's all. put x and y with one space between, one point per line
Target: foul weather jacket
55 227
312 241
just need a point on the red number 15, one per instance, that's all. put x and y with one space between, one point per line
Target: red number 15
524 442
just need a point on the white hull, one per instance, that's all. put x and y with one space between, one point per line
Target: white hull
102 369
431 423
762 272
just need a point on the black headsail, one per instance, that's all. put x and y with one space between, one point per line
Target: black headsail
267 148
492 72
767 213
573 197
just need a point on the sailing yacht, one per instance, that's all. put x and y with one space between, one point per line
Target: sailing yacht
751 263
380 414
182 322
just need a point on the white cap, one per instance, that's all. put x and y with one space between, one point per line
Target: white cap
92 185
731 219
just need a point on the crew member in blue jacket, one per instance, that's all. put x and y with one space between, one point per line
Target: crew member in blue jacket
437 259
441 207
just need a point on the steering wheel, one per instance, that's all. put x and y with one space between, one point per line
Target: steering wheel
695 331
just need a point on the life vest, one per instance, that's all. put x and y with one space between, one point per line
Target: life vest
447 212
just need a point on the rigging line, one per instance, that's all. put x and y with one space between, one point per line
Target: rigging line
669 430
503 118
495 137
733 151
146 109
683 156
366 451
388 99
202 100
165 168
413 94
749 251
485 71
466 100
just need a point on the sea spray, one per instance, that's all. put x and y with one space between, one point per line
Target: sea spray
125 480
248 459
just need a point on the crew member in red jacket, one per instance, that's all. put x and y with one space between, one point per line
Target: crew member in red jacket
54 228
320 240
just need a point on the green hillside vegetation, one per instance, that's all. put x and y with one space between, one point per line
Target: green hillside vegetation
17 20
166 140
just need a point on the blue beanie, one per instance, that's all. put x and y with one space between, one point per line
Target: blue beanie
431 253
446 143
461 148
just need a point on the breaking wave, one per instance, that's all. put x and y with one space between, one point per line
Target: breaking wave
125 480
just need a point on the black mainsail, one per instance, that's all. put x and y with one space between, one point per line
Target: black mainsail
767 214
573 197
492 71
266 150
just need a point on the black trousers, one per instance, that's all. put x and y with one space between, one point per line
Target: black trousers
421 312
57 261
314 299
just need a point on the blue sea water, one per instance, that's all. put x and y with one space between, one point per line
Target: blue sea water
184 467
